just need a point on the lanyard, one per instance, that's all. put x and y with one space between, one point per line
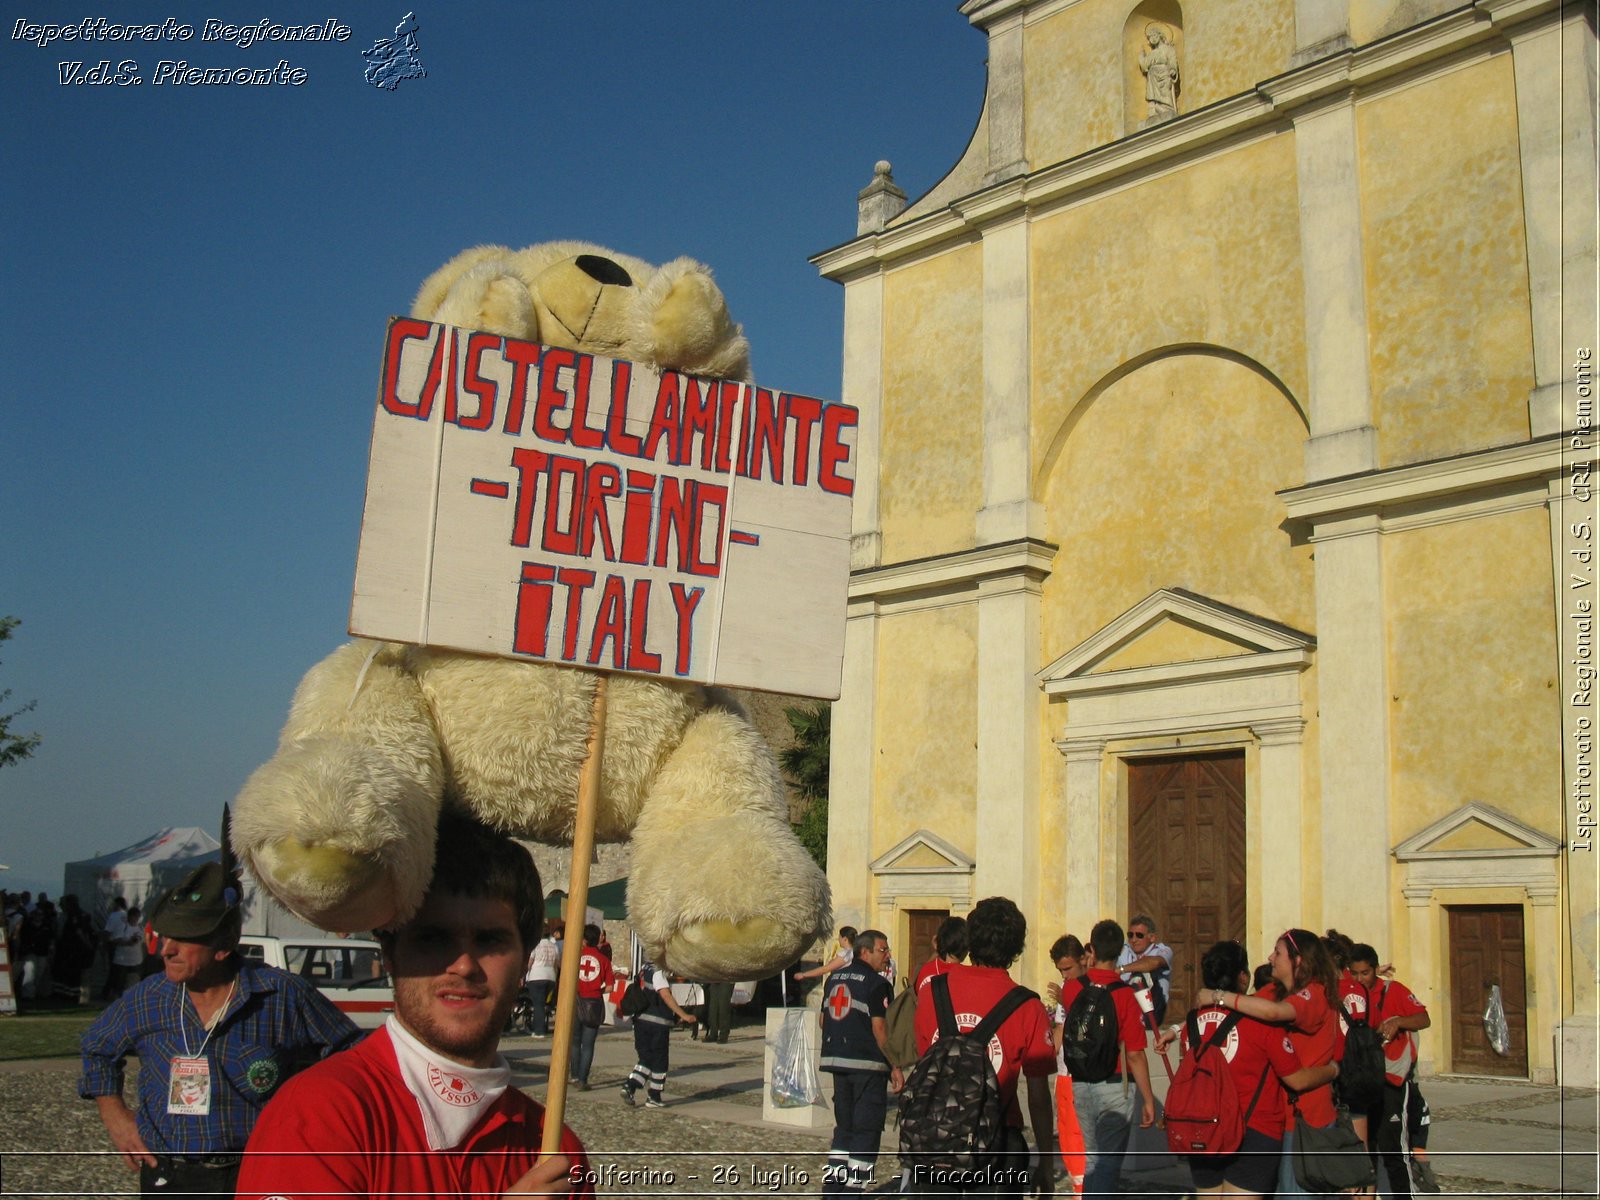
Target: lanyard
210 1027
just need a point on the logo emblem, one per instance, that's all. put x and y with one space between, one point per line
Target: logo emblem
262 1075
839 1002
452 1089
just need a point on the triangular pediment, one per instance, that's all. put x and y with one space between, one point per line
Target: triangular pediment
1174 626
922 851
1477 830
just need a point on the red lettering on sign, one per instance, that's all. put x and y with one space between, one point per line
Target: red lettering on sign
551 397
699 420
685 600
563 467
664 421
727 397
533 609
473 381
805 413
766 436
450 381
609 622
835 419
401 331
576 582
603 482
640 657
523 357
530 465
617 433
636 517
583 436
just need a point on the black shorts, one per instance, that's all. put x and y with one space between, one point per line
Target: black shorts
1253 1169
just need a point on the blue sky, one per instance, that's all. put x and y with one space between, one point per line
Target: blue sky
200 278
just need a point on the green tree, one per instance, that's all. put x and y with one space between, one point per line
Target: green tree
14 747
806 765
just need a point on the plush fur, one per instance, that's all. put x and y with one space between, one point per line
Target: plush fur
339 825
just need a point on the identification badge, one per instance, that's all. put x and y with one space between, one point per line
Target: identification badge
189 1087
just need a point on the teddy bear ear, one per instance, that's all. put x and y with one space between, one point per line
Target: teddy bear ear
480 289
687 325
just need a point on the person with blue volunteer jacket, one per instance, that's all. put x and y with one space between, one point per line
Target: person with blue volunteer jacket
855 1051
215 1037
652 1036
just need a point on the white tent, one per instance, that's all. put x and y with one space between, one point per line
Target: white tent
128 872
262 914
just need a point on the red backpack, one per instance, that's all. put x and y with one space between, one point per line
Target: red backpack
1202 1114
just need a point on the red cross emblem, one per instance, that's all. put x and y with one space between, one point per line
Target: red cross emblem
839 1002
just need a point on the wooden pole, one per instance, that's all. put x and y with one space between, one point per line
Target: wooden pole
555 1104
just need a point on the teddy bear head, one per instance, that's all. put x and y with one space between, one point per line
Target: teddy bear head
585 297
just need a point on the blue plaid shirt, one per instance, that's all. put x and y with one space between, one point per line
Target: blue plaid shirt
276 1024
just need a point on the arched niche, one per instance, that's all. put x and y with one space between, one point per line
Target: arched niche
1167 17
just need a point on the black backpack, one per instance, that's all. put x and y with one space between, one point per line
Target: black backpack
1361 1070
1091 1038
952 1118
634 999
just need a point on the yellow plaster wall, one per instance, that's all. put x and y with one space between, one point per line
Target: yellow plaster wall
1084 87
1372 19
1169 641
1168 480
928 701
1472 656
1441 202
931 473
1207 255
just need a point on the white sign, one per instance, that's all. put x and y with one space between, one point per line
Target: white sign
540 503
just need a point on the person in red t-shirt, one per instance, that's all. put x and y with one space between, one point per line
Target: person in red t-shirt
1305 977
996 934
594 979
949 948
1398 1015
1105 1107
1253 1050
424 1106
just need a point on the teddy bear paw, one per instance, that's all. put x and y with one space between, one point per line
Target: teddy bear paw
334 889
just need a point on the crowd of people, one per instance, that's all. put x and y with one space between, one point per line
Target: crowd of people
56 950
1280 1031
253 1083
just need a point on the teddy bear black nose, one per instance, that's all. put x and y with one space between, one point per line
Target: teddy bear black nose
603 270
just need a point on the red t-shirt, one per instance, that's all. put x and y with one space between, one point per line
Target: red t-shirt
1250 1048
594 974
934 966
1130 1017
344 1128
1020 1047
1317 1039
1395 999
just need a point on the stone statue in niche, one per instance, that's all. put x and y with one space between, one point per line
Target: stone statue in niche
1160 67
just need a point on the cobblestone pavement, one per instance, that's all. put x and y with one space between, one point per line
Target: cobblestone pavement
1489 1139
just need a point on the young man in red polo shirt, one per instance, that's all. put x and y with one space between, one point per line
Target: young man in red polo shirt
1105 1106
1020 1049
1398 1015
425 1106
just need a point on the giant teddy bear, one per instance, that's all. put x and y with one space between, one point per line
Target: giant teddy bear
339 824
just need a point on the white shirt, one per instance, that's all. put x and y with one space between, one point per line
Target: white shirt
546 963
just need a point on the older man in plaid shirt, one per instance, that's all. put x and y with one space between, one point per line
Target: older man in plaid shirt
215 1036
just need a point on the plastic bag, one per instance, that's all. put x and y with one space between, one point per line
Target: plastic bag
1494 1023
794 1078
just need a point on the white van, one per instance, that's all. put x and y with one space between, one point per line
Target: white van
348 971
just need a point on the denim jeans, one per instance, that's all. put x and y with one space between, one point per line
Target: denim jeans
1105 1114
583 1051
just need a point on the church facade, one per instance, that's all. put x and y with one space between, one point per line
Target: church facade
1222 508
